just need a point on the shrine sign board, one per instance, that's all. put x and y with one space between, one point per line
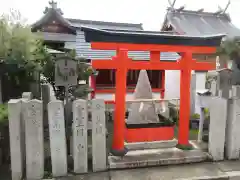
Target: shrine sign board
65 72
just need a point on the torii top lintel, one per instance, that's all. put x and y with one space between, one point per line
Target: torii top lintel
150 41
154 42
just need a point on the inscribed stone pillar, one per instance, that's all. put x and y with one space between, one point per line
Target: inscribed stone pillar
45 98
15 133
224 83
213 88
233 124
99 154
80 145
218 117
57 136
143 112
26 96
34 139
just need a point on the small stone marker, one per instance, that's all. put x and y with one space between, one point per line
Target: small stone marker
99 154
217 127
27 95
143 113
233 124
213 88
34 139
80 145
17 159
57 138
224 83
65 71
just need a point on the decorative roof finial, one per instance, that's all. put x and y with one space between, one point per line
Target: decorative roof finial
172 3
229 2
53 4
223 11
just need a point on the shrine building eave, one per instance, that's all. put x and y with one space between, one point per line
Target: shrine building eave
53 14
131 37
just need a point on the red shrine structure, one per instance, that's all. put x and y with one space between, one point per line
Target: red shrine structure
123 41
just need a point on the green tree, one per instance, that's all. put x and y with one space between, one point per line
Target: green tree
231 49
20 51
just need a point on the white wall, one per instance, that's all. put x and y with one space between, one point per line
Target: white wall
201 80
172 84
200 85
111 96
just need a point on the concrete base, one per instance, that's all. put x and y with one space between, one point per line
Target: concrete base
156 157
151 145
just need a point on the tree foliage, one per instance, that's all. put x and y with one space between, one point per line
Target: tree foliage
231 48
18 45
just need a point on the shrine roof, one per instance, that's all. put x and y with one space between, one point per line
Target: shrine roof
150 37
200 23
56 13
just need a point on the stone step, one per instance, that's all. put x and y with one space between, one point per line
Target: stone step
156 157
151 145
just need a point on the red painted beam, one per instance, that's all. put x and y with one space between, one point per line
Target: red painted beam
104 64
153 47
154 65
136 65
154 56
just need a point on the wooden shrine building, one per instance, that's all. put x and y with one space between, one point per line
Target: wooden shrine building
200 23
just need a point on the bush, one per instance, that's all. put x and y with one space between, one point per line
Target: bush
3 115
195 116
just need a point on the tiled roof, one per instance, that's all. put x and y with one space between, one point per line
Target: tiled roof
197 23
81 22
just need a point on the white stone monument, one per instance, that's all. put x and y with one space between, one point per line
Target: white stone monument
80 145
143 112
57 138
99 154
17 159
217 127
33 116
233 124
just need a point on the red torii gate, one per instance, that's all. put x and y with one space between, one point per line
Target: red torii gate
129 41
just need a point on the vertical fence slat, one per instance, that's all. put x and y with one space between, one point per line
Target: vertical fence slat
80 145
57 135
14 117
218 115
98 135
34 139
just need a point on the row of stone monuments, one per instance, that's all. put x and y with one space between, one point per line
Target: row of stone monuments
27 144
27 118
224 105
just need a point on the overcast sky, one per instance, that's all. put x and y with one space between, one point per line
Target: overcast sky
149 12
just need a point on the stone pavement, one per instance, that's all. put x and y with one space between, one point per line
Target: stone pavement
226 170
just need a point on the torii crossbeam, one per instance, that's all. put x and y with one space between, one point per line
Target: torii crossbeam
155 43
